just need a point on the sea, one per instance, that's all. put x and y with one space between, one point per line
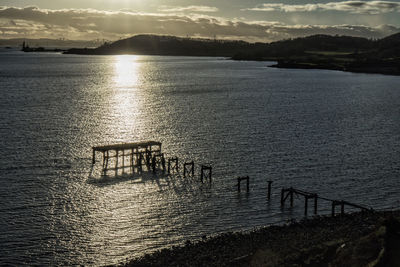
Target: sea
333 133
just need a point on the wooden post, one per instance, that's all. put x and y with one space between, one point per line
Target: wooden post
282 197
162 161
108 156
315 203
239 179
203 175
153 163
170 160
191 164
305 205
123 160
94 156
104 160
291 197
132 161
116 162
269 189
333 208
342 207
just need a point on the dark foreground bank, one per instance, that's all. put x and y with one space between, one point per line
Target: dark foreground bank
358 239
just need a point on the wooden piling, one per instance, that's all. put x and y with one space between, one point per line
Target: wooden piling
185 169
269 189
315 204
240 179
290 193
94 157
173 167
203 174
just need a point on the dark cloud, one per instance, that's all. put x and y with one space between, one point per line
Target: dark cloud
357 7
87 24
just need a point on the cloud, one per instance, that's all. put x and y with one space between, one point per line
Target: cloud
32 22
187 9
356 7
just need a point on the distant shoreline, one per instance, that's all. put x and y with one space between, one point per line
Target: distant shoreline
383 68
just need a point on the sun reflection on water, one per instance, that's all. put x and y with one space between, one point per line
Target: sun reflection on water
126 71
125 103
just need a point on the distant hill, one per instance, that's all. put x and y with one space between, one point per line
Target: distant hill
170 45
336 53
317 51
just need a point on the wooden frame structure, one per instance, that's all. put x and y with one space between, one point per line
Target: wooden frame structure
138 154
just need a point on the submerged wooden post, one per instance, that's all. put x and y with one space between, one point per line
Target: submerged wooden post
291 197
191 164
342 207
116 162
239 180
153 163
94 156
123 160
305 205
315 204
203 175
269 189
170 167
163 162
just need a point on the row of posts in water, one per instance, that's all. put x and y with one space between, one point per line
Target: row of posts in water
286 193
149 154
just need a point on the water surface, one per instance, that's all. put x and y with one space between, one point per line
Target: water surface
329 132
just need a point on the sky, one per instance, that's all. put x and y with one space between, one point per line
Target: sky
251 20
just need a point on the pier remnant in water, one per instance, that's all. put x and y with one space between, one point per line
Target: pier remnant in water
173 165
240 179
307 195
187 170
158 162
342 203
290 191
138 154
269 189
206 172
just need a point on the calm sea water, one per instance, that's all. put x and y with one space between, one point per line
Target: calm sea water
329 132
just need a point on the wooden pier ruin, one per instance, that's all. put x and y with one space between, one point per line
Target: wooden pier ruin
131 156
290 192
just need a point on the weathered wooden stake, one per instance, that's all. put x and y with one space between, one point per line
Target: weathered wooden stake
153 163
305 205
269 189
191 164
175 160
291 197
315 204
163 162
203 175
239 180
116 162
94 157
123 161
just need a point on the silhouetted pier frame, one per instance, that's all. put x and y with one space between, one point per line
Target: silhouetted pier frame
140 153
289 193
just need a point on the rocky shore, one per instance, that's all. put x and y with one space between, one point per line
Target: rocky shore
358 239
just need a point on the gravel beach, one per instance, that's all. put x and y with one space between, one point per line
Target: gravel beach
357 239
